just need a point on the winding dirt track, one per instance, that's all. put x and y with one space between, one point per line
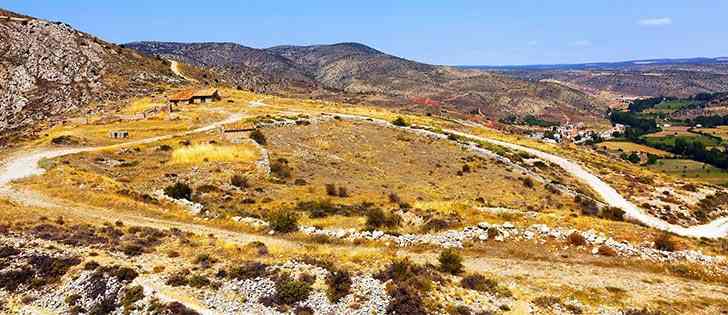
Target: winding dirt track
714 229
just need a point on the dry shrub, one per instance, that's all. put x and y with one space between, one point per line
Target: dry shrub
405 300
248 270
283 221
289 291
613 213
280 168
450 261
607 251
576 239
258 137
376 218
665 242
239 181
179 191
339 285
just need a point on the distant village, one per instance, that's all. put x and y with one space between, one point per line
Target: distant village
577 134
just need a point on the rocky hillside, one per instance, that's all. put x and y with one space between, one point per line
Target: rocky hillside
48 69
363 74
248 68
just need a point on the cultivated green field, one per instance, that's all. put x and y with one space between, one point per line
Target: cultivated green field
670 106
670 139
691 169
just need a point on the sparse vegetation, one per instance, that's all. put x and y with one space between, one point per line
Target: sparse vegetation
258 137
239 181
450 261
665 242
289 291
280 168
339 285
283 221
399 121
179 191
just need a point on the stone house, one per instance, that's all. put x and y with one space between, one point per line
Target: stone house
195 97
119 134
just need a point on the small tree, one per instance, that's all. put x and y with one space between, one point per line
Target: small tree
450 261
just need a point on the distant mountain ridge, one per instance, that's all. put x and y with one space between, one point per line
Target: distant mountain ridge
359 73
637 78
608 65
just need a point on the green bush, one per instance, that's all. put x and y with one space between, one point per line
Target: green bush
399 121
283 221
376 218
179 191
450 261
248 270
289 291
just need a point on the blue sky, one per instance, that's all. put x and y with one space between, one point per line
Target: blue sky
442 32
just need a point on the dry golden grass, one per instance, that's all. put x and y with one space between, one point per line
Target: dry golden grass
214 153
140 105
441 206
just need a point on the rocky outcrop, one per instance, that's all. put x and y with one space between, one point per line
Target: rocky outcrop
49 69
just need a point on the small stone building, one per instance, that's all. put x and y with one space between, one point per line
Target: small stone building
195 97
236 132
119 134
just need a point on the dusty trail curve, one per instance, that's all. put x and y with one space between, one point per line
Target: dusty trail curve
174 66
715 229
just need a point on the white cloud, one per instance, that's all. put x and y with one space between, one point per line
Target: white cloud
581 43
656 21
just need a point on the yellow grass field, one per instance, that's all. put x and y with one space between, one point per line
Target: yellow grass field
672 131
214 153
720 131
632 147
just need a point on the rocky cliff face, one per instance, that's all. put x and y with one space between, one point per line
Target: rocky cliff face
48 69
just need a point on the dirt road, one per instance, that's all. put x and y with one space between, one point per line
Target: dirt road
174 66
